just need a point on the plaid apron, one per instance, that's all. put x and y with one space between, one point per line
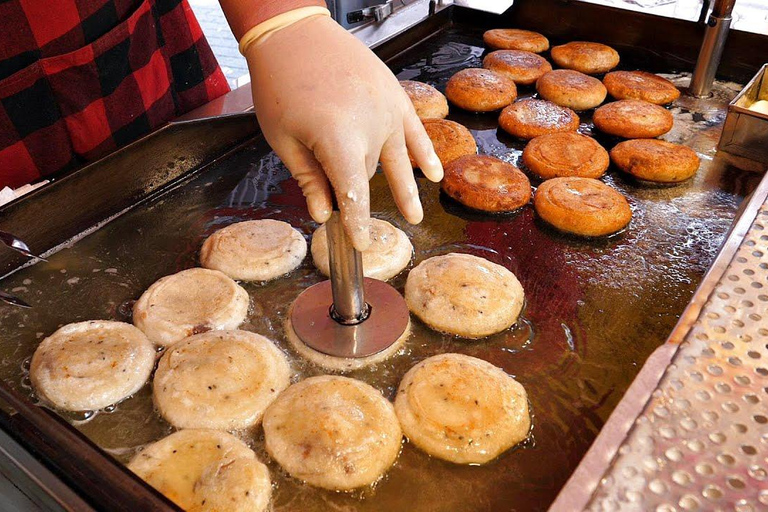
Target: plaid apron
80 78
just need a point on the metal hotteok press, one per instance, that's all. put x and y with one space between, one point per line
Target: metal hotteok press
349 315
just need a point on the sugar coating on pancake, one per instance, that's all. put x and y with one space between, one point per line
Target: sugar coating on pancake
190 302
633 119
450 140
428 101
640 85
571 89
565 154
524 68
205 471
254 250
342 364
87 366
480 90
655 160
486 183
582 206
462 409
516 39
586 57
333 432
219 379
531 118
464 295
389 253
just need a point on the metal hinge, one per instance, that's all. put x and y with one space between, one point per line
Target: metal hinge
377 12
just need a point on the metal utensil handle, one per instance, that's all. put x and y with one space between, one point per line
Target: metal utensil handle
346 264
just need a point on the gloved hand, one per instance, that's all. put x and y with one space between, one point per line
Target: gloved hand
332 110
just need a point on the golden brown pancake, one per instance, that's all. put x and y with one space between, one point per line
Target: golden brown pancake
640 85
450 139
486 183
571 89
428 101
531 118
655 160
633 119
524 68
480 90
565 154
516 39
582 206
589 58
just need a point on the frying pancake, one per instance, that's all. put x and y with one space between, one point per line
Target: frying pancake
582 206
480 90
524 68
89 365
450 140
190 302
341 364
428 101
462 409
655 160
531 118
516 39
565 154
585 57
205 471
219 379
464 295
389 253
640 85
486 183
571 89
333 432
255 250
633 119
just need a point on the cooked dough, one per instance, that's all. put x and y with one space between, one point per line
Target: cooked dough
582 206
333 432
342 364
565 154
90 365
464 295
205 471
219 379
255 250
589 58
655 160
389 253
190 302
486 183
640 85
524 68
530 118
462 409
480 90
428 101
516 39
633 119
450 140
571 89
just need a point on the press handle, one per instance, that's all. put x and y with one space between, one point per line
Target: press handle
346 265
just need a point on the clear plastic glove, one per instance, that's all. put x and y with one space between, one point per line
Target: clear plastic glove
332 110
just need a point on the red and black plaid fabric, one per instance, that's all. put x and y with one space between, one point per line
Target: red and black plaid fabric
80 78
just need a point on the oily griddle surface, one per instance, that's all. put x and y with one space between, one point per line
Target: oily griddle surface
595 310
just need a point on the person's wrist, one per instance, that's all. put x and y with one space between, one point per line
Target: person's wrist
260 33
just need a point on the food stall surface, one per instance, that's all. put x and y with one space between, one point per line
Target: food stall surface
595 310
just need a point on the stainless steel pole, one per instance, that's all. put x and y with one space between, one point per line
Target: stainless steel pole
346 263
718 25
